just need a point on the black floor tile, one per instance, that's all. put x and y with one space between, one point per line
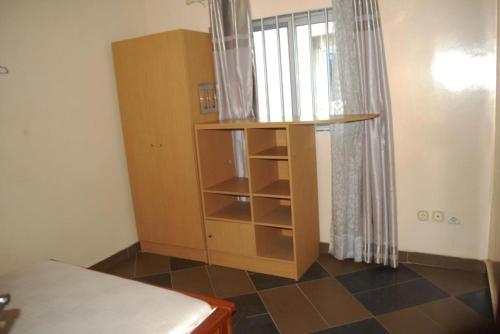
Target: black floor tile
247 306
147 264
369 326
376 278
396 297
163 280
125 269
177 263
264 281
260 324
194 279
480 301
315 271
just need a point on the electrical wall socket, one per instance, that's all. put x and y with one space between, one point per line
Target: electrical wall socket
438 216
423 215
454 220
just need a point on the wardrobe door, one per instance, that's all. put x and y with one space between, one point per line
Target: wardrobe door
179 187
148 193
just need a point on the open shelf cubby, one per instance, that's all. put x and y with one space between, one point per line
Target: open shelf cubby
234 185
268 143
272 212
216 158
227 207
273 242
270 178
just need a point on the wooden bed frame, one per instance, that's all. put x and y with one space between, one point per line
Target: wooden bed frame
219 322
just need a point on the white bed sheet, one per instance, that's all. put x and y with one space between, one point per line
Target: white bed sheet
55 298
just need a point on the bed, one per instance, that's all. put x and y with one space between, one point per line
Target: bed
53 297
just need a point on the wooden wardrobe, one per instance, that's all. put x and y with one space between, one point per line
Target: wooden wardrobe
157 78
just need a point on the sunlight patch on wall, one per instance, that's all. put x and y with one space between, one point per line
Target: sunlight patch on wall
458 70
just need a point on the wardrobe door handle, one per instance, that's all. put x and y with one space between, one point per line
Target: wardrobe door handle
210 236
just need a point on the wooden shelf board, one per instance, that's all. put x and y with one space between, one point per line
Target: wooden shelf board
280 189
236 211
277 152
288 227
281 248
265 123
235 185
279 217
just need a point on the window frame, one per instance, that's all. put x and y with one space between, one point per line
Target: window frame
291 22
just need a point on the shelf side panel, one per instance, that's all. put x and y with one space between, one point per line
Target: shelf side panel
304 189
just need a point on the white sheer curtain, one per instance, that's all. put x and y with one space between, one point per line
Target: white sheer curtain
364 204
232 39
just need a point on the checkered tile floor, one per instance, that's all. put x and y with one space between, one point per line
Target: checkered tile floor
332 296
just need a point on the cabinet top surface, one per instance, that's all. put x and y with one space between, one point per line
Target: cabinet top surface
269 123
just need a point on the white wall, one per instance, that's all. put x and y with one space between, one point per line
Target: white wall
64 190
164 15
441 65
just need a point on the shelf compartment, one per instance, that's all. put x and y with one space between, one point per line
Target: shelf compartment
268 143
235 185
279 189
217 162
275 243
272 212
227 207
270 177
276 152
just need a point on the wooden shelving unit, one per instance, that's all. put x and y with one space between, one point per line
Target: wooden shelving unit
266 222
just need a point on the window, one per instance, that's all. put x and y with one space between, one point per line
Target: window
294 60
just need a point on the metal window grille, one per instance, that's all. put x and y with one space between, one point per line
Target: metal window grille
294 61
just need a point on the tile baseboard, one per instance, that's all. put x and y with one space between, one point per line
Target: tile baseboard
447 262
118 257
432 260
493 269
323 247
